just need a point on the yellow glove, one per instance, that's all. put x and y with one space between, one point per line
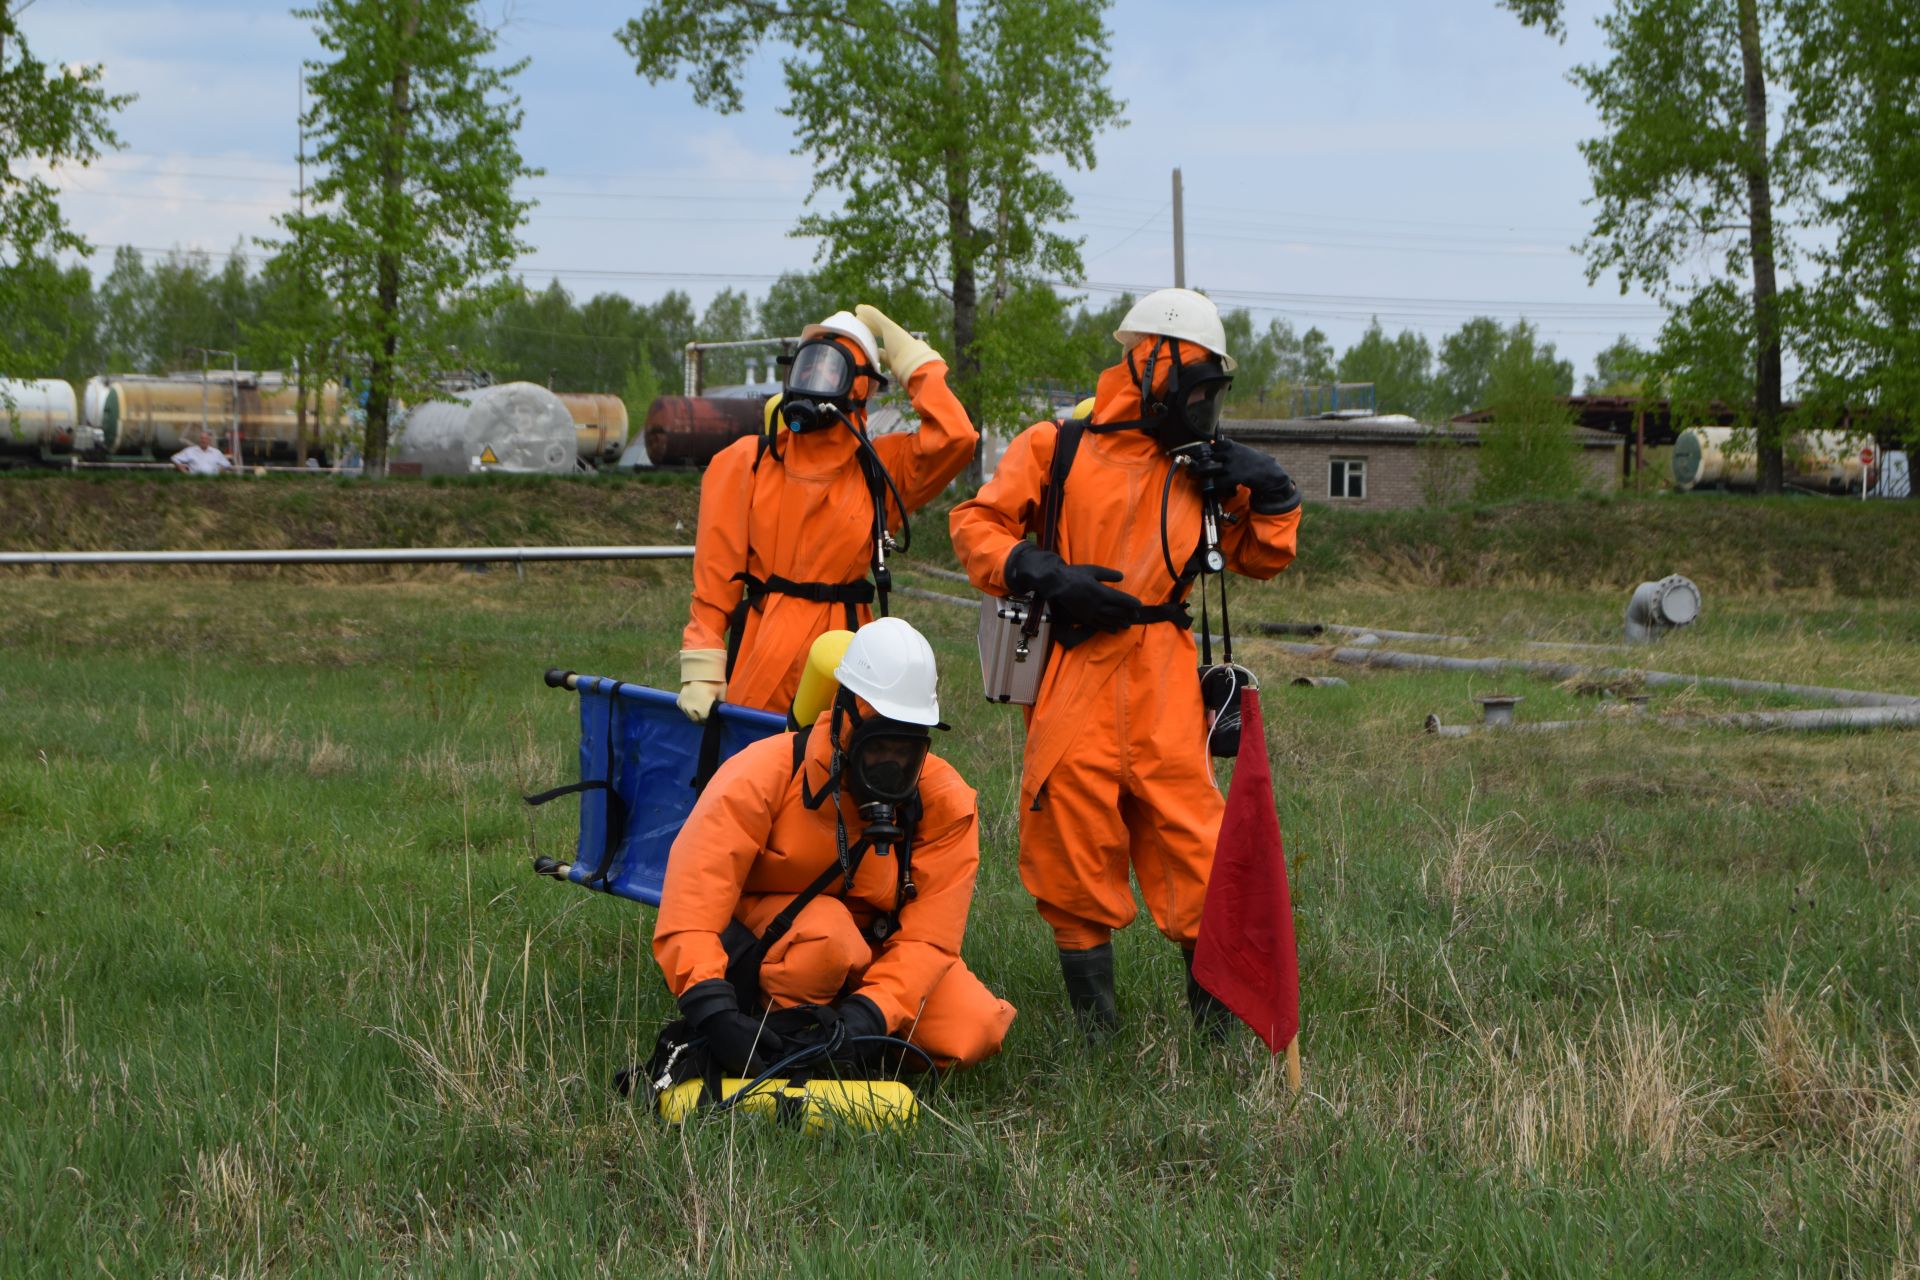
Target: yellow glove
703 678
903 351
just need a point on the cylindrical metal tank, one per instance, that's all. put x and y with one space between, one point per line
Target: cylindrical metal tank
160 415
270 420
601 424
516 426
92 401
1708 457
37 415
686 431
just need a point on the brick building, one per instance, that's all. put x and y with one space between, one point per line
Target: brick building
1393 462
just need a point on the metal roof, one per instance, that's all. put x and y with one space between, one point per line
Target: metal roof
1389 430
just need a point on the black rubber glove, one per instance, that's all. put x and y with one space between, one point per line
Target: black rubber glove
1270 490
841 1028
1078 593
859 1018
739 1043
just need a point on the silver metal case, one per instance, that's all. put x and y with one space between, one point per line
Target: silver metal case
1010 664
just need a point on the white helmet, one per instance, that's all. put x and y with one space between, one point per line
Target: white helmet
848 325
1177 313
891 666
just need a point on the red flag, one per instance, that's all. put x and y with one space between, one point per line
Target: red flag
1246 956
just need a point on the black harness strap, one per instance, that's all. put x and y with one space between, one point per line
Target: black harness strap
849 595
1066 445
746 952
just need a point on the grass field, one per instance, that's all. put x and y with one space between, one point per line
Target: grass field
279 994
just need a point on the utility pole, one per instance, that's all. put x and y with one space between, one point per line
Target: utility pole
1179 237
301 371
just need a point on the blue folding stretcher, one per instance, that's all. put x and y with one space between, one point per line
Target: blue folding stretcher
638 758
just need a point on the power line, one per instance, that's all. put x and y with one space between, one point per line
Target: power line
1116 203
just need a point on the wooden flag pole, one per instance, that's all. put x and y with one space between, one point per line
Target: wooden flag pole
1293 1064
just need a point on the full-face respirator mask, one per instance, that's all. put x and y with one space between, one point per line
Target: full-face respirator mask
1187 412
819 382
880 768
884 758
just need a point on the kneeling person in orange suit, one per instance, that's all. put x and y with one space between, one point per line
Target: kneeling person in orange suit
791 523
853 821
1117 768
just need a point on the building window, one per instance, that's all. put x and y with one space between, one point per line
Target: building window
1347 478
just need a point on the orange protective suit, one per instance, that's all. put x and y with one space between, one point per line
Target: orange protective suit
1116 768
804 513
751 846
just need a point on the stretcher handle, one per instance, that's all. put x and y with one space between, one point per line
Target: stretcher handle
558 679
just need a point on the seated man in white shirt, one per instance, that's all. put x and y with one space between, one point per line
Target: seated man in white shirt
201 459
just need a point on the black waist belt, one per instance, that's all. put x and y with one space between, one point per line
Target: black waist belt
1067 633
859 591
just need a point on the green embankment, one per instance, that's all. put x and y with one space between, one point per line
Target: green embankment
1734 544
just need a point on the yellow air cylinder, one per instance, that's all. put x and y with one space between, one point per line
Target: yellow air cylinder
810 1107
817 684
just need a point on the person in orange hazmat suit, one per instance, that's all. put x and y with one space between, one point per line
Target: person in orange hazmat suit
1116 770
768 904
792 522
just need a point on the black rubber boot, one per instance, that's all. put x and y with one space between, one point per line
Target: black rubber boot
1089 976
1211 1018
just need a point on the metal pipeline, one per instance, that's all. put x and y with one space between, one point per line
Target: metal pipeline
938 597
1573 670
1814 718
350 555
1417 637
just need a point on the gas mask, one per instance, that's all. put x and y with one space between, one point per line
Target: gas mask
1188 411
884 759
819 385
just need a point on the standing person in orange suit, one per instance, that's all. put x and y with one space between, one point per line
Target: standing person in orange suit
771 903
1117 771
792 523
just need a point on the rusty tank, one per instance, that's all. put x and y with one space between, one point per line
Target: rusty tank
686 431
601 423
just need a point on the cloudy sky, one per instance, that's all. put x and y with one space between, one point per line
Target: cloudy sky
1411 159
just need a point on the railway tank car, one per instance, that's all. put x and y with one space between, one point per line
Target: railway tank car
600 423
39 418
1715 457
146 416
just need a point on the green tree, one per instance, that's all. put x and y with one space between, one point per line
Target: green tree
1528 450
1686 172
1086 342
1256 360
728 318
1306 360
794 301
125 299
1470 354
1618 370
1853 73
53 313
413 207
51 117
1466 365
1400 369
938 126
